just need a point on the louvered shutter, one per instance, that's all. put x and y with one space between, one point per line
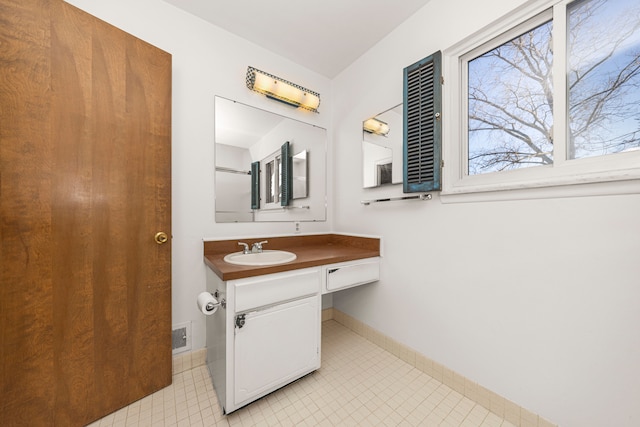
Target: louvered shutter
423 125
286 178
255 185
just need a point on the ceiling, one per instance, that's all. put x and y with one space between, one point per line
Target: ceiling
325 36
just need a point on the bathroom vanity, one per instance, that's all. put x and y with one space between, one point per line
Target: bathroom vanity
266 333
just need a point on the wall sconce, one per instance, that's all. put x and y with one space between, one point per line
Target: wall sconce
281 90
375 126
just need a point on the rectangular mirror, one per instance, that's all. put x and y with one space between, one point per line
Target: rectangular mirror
246 135
382 148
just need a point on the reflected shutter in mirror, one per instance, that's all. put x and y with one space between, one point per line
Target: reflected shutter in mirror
255 185
286 180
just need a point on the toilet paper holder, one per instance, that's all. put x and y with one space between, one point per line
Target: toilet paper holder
221 302
208 302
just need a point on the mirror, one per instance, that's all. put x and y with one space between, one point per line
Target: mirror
382 148
248 139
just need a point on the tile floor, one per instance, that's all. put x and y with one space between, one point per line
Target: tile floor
358 384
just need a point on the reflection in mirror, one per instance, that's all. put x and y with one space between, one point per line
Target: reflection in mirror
382 148
245 135
272 174
300 170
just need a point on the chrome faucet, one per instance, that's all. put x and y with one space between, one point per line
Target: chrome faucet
257 247
246 247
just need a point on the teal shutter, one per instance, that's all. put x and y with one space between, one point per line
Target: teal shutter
255 185
422 147
286 179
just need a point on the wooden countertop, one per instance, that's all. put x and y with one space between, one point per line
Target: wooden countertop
311 251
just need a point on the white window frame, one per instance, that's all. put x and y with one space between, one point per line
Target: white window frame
275 204
617 173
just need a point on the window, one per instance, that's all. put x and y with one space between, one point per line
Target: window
554 100
278 177
603 42
509 103
272 180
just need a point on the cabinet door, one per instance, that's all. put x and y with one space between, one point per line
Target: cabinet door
276 346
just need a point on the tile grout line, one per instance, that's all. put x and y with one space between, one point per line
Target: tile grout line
480 395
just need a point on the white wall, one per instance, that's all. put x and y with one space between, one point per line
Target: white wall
537 300
207 61
233 190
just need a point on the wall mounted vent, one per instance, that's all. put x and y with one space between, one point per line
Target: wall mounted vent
181 337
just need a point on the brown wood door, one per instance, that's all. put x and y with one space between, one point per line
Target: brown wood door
85 290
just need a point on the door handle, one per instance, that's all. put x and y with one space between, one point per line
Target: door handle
161 237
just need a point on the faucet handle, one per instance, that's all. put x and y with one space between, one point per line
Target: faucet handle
258 246
246 248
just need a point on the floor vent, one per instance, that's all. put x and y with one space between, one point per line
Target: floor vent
181 337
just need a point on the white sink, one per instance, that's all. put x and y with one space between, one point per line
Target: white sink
265 257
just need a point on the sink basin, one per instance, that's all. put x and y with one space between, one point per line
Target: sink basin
265 257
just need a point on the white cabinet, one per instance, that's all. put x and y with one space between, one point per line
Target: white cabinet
275 346
266 336
348 274
271 289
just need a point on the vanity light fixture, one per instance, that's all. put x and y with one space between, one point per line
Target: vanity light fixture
281 90
376 126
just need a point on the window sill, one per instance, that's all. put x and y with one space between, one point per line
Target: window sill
585 185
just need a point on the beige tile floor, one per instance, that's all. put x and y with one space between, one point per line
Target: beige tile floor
359 384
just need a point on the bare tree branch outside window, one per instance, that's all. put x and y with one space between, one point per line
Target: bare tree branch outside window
603 77
510 88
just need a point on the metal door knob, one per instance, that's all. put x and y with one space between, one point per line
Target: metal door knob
161 237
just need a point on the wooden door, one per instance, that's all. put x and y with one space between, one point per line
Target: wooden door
85 290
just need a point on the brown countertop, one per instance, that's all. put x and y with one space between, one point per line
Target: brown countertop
311 251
